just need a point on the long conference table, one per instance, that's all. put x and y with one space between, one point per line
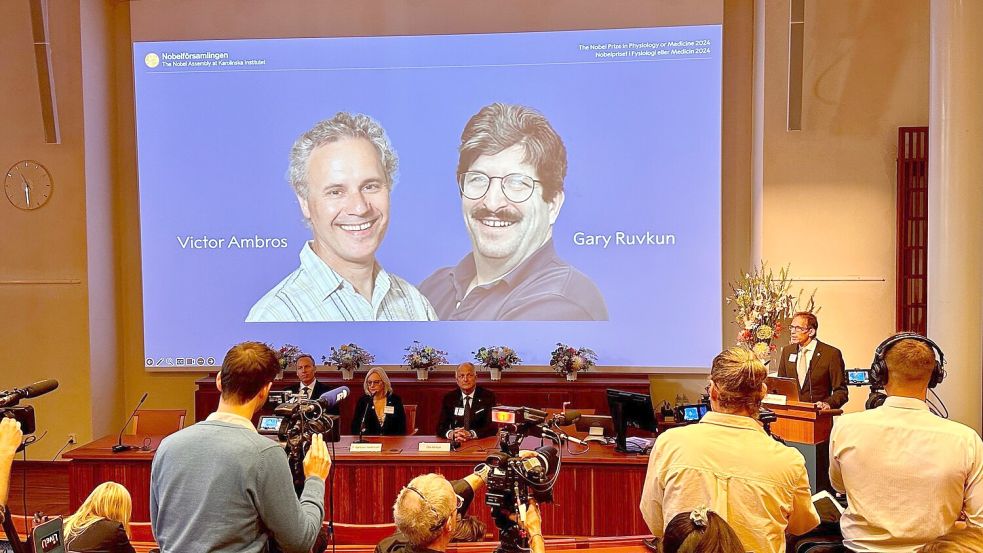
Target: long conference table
596 494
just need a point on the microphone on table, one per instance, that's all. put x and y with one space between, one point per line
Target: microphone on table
565 418
119 447
361 426
14 396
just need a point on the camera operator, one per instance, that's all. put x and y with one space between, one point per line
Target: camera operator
220 486
728 462
429 511
907 473
10 438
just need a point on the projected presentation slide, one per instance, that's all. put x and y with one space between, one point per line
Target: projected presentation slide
461 190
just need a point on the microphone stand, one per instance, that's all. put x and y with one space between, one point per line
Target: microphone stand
119 447
361 427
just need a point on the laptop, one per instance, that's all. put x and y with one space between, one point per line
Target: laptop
48 538
782 386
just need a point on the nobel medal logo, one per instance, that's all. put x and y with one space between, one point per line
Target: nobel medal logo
152 60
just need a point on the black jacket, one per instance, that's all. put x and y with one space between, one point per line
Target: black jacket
394 425
481 408
824 380
102 536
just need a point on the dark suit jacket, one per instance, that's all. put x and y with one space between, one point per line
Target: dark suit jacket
824 381
481 408
319 388
394 425
102 536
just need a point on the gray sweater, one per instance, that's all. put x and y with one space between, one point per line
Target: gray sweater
217 486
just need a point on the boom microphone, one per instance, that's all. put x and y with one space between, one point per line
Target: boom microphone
34 390
333 397
119 443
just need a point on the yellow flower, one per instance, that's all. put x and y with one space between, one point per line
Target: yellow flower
761 349
764 332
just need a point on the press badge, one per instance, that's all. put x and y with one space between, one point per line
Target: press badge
389 410
459 411
792 357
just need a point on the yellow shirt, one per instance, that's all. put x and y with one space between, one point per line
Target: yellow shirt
729 463
907 474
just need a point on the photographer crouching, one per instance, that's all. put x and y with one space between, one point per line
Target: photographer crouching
220 486
431 512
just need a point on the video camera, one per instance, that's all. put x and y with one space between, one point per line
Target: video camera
24 414
513 479
861 377
294 422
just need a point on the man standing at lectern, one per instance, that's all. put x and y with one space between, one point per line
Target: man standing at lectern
817 367
465 414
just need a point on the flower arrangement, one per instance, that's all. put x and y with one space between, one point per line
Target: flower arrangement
761 302
497 357
348 356
287 355
569 361
426 358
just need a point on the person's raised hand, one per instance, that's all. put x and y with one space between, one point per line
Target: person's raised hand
317 462
10 436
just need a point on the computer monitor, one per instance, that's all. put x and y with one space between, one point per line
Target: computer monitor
630 409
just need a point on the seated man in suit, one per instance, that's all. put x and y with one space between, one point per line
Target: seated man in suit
309 385
817 367
465 414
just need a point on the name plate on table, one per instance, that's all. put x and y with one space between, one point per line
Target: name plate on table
442 447
775 399
365 448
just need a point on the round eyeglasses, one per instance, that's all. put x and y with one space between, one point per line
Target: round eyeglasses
516 186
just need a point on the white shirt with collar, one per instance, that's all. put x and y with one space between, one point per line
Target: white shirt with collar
728 463
803 359
231 418
908 475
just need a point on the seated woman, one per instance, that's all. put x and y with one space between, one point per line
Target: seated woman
102 523
379 412
700 531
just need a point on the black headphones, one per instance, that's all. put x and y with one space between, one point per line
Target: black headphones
878 367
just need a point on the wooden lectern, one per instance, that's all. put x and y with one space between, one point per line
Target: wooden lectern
807 429
801 423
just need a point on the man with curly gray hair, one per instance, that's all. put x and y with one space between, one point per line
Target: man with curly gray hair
342 171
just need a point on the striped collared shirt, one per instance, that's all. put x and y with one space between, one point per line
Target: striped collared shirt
315 292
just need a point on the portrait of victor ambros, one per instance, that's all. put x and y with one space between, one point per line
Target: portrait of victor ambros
510 177
342 172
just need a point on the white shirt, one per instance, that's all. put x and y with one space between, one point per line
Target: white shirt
802 361
728 463
907 473
316 292
231 418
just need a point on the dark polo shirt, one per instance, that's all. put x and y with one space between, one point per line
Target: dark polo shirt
541 288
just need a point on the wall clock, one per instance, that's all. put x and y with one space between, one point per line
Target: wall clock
28 185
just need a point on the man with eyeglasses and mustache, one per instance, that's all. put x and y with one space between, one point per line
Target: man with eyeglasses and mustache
342 171
510 177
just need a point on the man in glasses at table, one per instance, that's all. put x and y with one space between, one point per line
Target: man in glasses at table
510 176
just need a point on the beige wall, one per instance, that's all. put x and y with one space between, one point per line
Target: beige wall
827 191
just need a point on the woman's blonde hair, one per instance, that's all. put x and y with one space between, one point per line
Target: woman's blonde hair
109 500
738 375
382 375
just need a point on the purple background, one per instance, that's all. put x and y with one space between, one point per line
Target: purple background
643 141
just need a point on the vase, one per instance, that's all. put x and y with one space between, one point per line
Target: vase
496 374
422 374
347 373
571 376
